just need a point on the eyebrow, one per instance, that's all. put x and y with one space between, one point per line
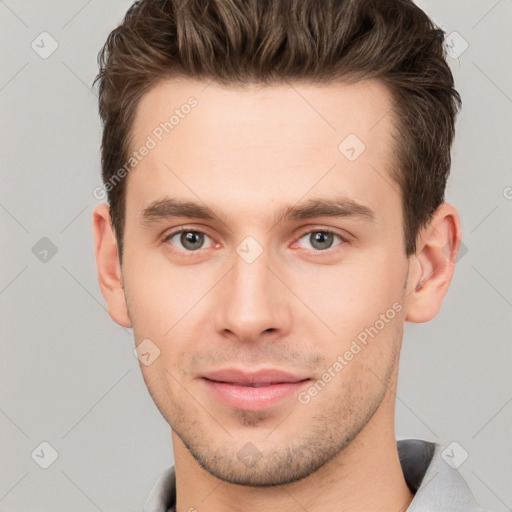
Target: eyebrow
168 208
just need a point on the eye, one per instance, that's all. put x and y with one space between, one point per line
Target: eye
321 239
190 240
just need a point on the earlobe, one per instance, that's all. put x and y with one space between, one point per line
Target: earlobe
433 265
108 266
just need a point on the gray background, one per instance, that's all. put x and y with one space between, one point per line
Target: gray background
67 372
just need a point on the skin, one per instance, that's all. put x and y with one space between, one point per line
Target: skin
248 153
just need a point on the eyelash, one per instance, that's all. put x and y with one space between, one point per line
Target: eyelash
344 240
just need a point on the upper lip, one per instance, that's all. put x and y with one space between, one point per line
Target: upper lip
263 376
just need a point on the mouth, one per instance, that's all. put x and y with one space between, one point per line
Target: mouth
263 377
253 385
253 391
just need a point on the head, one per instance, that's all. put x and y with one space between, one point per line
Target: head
275 177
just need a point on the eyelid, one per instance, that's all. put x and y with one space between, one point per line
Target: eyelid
180 229
316 229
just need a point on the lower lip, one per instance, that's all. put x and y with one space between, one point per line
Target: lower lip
249 398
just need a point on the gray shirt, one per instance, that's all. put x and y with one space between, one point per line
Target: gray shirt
437 486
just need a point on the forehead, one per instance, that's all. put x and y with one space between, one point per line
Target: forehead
240 145
256 109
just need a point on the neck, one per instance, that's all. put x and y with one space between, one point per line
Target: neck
365 476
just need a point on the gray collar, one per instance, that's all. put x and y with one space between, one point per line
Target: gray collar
436 485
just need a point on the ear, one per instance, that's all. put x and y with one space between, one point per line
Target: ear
108 265
431 268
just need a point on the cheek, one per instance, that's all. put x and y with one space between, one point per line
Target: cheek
368 317
165 305
160 295
349 297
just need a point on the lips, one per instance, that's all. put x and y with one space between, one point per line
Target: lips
260 378
253 391
253 385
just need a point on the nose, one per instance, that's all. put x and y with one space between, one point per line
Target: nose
252 302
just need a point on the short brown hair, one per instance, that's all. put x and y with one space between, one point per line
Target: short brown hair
236 42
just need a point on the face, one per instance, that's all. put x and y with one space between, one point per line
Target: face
289 256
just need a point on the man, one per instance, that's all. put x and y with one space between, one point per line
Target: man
275 173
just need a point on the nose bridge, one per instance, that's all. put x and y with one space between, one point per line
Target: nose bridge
251 301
